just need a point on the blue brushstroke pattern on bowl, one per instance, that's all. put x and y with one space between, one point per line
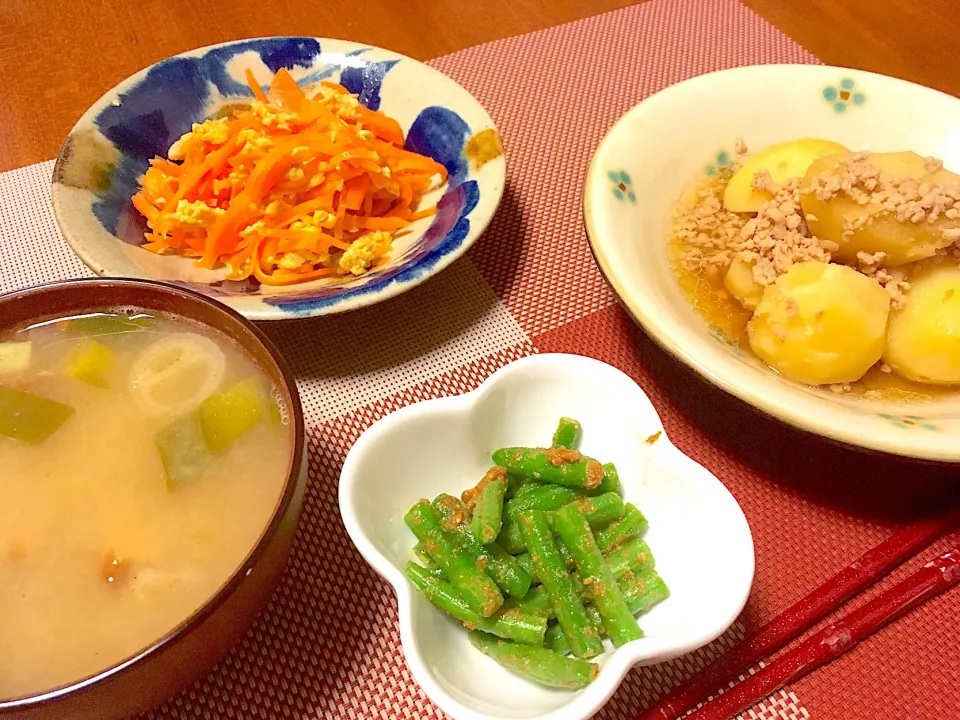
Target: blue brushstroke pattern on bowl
145 118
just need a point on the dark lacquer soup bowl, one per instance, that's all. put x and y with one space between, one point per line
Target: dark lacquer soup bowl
181 655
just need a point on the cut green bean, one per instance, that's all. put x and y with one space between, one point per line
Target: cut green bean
610 482
535 602
632 523
514 483
511 539
574 531
502 567
526 486
544 497
550 568
559 466
555 640
488 513
567 434
460 567
30 418
537 664
525 562
644 590
511 624
547 497
632 556
423 556
641 589
599 511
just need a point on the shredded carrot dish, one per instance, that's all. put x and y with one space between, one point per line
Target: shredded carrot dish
290 189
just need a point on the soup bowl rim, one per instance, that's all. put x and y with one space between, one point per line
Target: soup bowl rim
231 584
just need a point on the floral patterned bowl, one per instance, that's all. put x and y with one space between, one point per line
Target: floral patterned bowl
100 164
654 151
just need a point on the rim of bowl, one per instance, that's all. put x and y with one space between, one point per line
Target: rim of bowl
230 585
843 433
271 313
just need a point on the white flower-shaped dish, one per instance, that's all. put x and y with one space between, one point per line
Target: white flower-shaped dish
698 533
660 146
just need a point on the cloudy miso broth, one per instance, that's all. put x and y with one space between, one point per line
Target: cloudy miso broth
140 460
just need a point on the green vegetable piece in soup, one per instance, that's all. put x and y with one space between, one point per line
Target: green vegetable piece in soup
228 415
15 357
30 418
109 324
183 451
90 363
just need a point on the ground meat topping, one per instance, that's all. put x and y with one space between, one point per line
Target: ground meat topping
778 236
771 242
707 229
909 200
894 281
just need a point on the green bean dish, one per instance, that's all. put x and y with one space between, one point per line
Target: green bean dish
540 561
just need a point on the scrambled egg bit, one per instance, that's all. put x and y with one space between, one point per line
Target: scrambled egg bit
365 251
272 116
196 215
346 106
216 132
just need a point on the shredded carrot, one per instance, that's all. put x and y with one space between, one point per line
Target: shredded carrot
255 86
283 190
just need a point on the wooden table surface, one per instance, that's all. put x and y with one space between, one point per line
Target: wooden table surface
56 58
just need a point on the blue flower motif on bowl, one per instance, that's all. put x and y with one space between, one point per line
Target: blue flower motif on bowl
912 422
108 151
622 185
841 96
721 160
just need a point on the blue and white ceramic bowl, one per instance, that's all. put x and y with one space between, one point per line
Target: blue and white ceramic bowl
106 153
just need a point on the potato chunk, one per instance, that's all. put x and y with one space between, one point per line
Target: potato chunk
875 229
923 340
739 282
821 323
783 161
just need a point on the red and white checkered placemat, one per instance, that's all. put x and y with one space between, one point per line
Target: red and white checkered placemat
328 646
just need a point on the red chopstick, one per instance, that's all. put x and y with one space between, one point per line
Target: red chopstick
838 638
789 624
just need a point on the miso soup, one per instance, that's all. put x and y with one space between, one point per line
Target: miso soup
141 458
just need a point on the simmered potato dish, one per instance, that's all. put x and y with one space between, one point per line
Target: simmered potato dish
837 264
